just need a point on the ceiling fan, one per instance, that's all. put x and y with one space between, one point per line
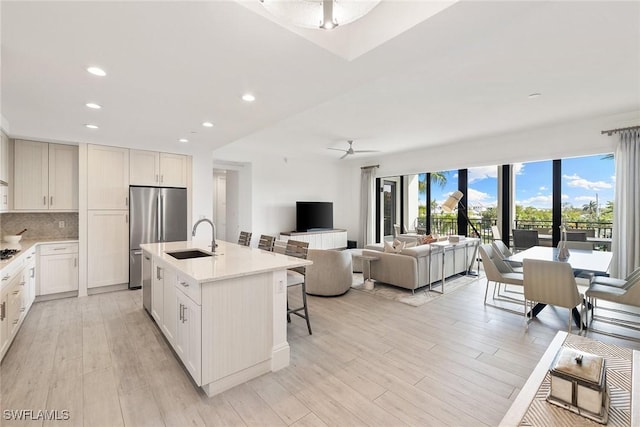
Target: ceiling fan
351 150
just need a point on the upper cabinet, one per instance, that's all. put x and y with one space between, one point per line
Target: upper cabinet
108 177
4 172
158 169
45 176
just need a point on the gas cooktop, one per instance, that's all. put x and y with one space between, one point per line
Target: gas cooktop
8 253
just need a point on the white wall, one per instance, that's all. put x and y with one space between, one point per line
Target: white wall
277 184
202 194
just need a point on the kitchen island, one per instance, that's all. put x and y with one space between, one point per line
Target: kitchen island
223 314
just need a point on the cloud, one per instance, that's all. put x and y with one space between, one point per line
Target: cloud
543 188
476 198
540 201
518 168
576 181
483 172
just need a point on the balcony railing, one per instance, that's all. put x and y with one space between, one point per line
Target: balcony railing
448 226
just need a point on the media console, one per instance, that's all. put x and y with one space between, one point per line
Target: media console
321 239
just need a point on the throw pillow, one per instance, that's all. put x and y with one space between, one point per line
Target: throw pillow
394 248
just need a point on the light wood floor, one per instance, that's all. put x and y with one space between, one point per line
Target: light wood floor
369 362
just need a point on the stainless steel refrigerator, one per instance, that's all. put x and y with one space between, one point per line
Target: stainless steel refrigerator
157 214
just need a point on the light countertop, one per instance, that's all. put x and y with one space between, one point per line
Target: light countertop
24 246
231 260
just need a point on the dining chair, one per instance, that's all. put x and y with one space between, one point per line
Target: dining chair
627 294
525 239
245 238
579 244
497 271
266 242
296 277
617 283
503 251
495 231
550 282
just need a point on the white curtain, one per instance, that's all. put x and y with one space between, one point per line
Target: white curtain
626 221
367 205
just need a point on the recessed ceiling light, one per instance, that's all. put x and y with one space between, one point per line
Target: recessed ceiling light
97 71
248 97
183 140
207 124
535 95
90 126
93 105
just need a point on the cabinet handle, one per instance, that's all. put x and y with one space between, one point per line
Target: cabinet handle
75 262
5 199
22 309
15 322
161 178
185 284
126 218
157 180
44 200
147 258
16 292
3 310
58 249
33 272
126 201
51 201
158 269
184 313
6 277
22 283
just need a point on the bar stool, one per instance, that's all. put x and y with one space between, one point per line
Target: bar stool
266 243
295 277
245 238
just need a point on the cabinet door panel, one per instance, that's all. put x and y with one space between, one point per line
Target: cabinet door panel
170 315
108 180
188 344
58 273
157 294
63 177
31 175
173 170
144 167
108 248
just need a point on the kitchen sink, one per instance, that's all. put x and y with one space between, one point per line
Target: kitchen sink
189 254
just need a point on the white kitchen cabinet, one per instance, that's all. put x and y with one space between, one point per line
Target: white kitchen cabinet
108 177
188 343
157 292
158 169
107 247
63 177
4 172
173 170
45 176
170 317
4 322
58 264
31 175
30 278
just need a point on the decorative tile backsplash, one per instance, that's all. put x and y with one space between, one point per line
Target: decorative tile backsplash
44 225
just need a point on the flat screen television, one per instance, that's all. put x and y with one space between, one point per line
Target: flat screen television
311 216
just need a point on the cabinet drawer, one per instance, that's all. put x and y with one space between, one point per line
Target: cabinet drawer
189 287
59 248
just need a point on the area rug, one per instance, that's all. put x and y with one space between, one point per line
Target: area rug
420 297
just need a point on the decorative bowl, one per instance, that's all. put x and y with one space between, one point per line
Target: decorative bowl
11 238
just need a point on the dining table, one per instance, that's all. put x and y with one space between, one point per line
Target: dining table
581 261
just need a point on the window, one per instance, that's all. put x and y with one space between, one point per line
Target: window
534 196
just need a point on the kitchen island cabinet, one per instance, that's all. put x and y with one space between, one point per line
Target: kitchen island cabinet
229 310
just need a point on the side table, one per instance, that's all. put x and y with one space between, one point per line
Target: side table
366 269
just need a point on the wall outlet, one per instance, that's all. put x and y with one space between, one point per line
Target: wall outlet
60 224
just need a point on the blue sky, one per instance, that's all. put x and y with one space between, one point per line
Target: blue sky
582 179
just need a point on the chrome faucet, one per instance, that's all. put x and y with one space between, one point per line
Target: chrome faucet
213 232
